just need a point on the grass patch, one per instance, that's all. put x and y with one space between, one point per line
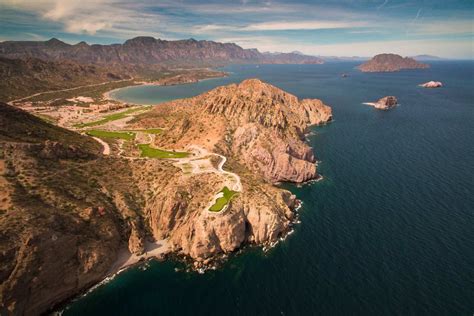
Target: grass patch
224 200
111 117
147 151
111 134
155 131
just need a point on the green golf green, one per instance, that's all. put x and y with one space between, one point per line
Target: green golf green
147 151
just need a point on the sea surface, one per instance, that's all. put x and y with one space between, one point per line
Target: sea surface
388 231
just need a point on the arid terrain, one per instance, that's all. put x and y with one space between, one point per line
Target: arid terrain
192 177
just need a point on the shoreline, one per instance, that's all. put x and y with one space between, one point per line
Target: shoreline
125 259
107 95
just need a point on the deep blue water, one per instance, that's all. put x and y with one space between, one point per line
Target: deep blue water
389 231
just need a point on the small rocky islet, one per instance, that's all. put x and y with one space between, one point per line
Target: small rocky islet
385 103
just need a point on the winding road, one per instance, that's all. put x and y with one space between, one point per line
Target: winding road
106 146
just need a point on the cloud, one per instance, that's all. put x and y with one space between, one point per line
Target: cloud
444 28
278 26
90 16
302 25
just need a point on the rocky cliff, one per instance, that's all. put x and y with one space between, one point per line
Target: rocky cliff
148 51
391 63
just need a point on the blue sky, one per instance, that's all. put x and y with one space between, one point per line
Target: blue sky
330 27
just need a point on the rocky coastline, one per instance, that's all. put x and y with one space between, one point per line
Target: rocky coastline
258 127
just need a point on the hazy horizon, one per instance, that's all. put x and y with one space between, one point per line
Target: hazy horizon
325 28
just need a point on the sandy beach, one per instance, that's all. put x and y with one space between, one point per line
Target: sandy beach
152 250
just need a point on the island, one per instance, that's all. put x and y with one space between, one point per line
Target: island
390 63
432 84
385 103
193 178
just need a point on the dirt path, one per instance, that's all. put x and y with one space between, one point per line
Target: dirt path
200 162
106 146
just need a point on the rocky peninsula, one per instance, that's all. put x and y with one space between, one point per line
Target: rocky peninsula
72 211
391 63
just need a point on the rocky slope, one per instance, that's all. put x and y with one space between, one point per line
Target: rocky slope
148 51
391 63
256 124
31 75
66 211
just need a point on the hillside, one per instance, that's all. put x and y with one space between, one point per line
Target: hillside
390 63
148 51
31 75
260 126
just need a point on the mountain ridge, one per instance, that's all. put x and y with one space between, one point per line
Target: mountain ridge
149 50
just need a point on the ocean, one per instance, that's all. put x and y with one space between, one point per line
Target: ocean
388 231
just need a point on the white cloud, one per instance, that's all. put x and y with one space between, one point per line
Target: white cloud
91 16
444 28
302 25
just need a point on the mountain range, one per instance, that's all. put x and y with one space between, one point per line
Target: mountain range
148 50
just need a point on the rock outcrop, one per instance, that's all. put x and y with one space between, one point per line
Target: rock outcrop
390 63
432 84
385 103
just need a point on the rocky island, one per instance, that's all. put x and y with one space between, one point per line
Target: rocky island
431 84
385 103
391 63
76 208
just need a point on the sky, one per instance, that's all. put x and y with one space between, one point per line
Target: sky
320 27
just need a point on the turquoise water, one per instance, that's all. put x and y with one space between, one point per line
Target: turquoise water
389 231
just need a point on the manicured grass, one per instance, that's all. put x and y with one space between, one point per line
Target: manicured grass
155 131
147 151
111 134
111 117
223 201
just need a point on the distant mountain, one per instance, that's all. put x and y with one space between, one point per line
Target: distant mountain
343 58
390 63
426 57
148 50
290 58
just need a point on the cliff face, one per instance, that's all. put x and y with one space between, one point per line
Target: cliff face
391 63
148 51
